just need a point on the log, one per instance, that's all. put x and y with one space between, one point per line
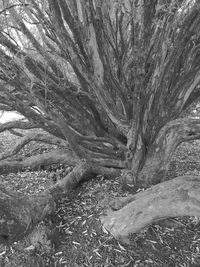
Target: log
177 197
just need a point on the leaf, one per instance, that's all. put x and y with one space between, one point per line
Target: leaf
98 254
76 243
67 231
122 248
152 241
104 230
58 253
2 253
29 248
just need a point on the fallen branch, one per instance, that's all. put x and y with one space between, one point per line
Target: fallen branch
177 197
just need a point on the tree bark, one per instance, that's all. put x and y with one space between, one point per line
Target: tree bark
38 137
150 166
177 197
18 124
19 214
39 161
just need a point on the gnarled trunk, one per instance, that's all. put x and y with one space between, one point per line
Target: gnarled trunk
150 164
177 197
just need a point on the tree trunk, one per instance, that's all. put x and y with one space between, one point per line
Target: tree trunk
150 164
177 197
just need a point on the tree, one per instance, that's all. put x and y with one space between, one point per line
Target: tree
109 81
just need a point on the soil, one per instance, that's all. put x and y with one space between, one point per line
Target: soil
78 238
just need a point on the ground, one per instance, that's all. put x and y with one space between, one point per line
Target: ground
78 238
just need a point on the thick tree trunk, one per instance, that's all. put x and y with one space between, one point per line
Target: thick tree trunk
19 214
177 197
150 164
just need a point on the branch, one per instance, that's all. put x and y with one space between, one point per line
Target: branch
9 7
32 137
184 129
38 161
81 172
16 133
4 107
160 152
38 120
19 20
19 124
75 26
193 97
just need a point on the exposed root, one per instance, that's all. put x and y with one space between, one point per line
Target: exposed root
177 197
19 214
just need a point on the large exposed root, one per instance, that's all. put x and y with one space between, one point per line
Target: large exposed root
19 214
177 197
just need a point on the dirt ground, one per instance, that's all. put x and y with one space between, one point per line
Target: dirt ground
78 238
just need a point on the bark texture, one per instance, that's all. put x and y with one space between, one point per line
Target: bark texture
39 161
155 162
19 214
177 197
